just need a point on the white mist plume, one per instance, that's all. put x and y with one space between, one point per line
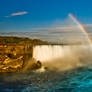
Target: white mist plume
70 57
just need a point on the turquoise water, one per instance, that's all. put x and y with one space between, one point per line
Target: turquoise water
77 80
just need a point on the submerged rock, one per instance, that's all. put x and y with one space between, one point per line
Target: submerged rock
36 65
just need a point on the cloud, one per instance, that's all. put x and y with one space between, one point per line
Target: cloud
17 14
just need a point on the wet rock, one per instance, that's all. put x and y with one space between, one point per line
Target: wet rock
36 65
10 65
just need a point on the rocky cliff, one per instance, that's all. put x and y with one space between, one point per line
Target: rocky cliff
15 52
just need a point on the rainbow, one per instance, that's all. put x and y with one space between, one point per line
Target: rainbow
81 27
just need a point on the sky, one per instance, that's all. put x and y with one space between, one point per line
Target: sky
24 15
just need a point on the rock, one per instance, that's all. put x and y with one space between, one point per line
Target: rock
9 64
36 65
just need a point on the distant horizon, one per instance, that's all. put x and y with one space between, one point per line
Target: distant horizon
47 20
24 15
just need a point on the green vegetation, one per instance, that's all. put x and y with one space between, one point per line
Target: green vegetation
20 40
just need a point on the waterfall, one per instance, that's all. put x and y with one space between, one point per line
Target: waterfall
49 52
63 57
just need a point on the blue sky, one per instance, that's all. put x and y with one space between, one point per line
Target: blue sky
23 15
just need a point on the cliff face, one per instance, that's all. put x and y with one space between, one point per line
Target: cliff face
13 57
14 52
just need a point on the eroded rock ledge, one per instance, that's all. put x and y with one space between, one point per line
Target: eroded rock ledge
15 53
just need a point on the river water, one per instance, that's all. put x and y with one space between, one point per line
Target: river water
76 80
